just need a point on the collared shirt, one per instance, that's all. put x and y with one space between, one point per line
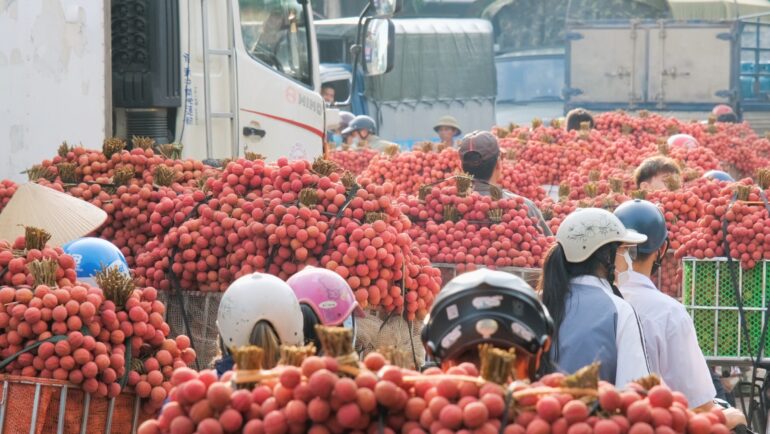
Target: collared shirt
533 212
671 340
377 143
599 326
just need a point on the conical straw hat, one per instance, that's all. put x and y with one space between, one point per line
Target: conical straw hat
65 217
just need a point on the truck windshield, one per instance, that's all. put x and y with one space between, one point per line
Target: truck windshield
275 33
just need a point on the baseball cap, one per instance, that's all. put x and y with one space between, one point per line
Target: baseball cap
477 147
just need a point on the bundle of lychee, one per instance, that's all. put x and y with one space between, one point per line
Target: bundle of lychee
94 338
735 145
354 161
517 177
324 396
453 224
7 189
73 165
19 261
748 236
555 211
129 186
279 218
592 178
407 171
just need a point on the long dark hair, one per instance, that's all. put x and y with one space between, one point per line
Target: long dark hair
309 321
557 272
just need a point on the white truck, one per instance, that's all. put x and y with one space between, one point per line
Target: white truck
220 77
677 68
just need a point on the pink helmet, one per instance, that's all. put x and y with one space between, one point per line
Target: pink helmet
683 140
327 293
722 109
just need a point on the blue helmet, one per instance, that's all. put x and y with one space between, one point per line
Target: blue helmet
91 255
718 175
647 219
361 122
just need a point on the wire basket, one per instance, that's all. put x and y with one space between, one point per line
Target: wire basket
709 296
38 405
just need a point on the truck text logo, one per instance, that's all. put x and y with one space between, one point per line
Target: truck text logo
307 101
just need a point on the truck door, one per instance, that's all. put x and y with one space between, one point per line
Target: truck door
753 69
280 112
689 64
605 65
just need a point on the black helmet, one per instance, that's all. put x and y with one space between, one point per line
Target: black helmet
644 217
487 306
362 122
718 175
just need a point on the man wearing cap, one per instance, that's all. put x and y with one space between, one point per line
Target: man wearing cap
448 129
480 157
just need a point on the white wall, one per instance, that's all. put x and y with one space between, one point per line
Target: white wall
52 79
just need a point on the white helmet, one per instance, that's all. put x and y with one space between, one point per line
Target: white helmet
584 231
683 140
257 297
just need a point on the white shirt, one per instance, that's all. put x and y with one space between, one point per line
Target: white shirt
671 341
603 326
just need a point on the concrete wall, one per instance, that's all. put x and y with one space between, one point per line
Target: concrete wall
52 79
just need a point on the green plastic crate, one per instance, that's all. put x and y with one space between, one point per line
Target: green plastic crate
709 297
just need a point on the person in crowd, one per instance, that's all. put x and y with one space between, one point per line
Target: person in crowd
718 175
326 299
327 92
258 309
592 321
480 156
724 113
652 173
670 337
448 130
456 318
668 330
363 132
576 117
335 136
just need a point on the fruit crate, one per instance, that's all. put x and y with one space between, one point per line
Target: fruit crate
449 271
39 405
709 297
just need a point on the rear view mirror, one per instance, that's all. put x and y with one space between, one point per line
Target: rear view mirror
386 8
379 46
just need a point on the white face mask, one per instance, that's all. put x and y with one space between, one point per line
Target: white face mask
624 276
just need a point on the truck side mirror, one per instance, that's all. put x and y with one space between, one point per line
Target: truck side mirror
379 46
386 8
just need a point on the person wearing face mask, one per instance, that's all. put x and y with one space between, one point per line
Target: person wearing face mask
669 334
592 322
363 130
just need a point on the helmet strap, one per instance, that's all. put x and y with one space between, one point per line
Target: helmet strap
659 258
